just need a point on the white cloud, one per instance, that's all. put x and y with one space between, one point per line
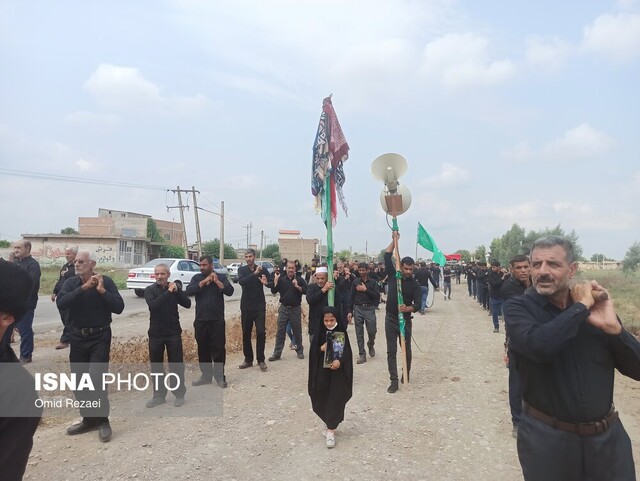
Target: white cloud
578 143
614 36
463 60
92 119
242 182
546 54
514 213
581 142
125 89
84 164
449 176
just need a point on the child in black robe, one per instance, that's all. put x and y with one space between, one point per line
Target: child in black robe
330 388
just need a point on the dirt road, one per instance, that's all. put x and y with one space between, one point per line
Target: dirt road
451 423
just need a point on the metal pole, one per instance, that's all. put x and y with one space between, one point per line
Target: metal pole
184 227
195 211
221 254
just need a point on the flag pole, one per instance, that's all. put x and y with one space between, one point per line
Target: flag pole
328 209
401 321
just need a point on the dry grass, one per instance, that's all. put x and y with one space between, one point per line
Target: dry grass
625 290
136 350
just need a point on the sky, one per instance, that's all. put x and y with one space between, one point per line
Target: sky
506 112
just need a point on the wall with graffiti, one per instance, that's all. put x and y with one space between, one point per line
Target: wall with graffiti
51 251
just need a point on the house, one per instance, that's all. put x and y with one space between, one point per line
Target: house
117 238
293 246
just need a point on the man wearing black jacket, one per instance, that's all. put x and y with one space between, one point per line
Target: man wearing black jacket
209 289
423 276
163 298
363 300
495 279
291 287
67 271
411 294
90 299
19 417
253 309
318 298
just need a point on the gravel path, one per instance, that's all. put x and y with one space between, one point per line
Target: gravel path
451 423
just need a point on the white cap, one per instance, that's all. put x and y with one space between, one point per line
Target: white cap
321 270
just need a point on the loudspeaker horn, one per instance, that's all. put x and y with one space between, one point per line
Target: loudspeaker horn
389 167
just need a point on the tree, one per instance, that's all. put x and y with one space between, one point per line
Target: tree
172 252
152 231
466 255
271 251
557 230
631 260
509 245
212 248
480 254
597 257
4 243
69 231
343 255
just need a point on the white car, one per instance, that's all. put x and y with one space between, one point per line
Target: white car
233 270
180 271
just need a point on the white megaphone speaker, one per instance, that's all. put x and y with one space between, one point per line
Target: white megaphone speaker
395 198
389 168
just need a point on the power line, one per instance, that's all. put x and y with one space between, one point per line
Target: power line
66 178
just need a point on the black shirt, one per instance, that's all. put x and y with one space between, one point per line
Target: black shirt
566 364
495 280
411 291
164 319
512 287
423 276
289 295
318 300
209 300
31 265
89 308
370 297
252 287
66 272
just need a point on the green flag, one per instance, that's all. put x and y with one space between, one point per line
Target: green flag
426 241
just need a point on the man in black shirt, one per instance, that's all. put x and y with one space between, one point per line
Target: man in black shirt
411 295
67 271
344 280
495 278
423 276
318 298
482 290
19 417
209 289
291 287
163 299
253 308
22 255
363 300
514 286
90 299
567 344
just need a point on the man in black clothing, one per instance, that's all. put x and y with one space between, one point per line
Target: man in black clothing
67 271
411 294
209 288
495 278
291 287
22 255
90 299
567 344
482 290
20 417
163 298
423 276
363 300
253 309
318 298
344 281
515 285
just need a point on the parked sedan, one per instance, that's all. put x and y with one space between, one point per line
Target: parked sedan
180 271
233 270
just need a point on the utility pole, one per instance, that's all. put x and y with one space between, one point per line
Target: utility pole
261 242
195 211
221 256
180 206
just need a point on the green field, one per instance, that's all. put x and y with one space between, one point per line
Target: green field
50 277
625 291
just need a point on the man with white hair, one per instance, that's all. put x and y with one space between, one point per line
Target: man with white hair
90 299
67 271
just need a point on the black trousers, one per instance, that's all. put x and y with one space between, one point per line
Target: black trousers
90 354
212 354
66 330
173 345
392 332
549 454
515 391
248 318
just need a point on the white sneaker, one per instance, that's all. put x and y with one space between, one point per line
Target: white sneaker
331 440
